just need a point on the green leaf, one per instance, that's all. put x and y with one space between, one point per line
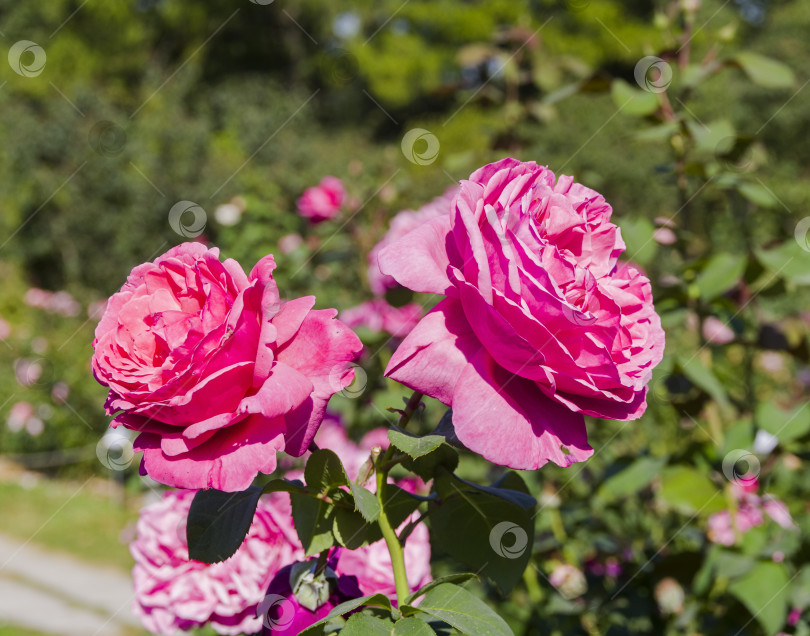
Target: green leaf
785 425
467 613
413 445
757 194
722 272
447 484
661 132
444 456
764 591
367 625
412 626
352 531
633 101
694 369
399 504
450 578
632 479
218 522
715 135
637 234
375 600
313 519
365 502
689 491
764 71
488 533
789 260
324 472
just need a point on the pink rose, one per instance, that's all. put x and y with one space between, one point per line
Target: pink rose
214 370
540 324
377 315
173 593
322 201
401 224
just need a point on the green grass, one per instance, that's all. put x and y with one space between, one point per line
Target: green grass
70 518
11 630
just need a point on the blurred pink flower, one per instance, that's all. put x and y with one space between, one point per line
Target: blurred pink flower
750 508
716 331
377 315
174 593
664 236
401 224
5 329
569 581
18 415
60 302
323 201
289 243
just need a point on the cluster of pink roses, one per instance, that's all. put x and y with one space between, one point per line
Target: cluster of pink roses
539 325
175 593
724 527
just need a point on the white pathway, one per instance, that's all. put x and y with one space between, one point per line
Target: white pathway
57 594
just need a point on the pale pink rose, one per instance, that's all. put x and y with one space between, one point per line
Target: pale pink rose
18 415
540 325
38 298
214 370
377 315
174 593
664 236
323 201
569 581
715 331
401 224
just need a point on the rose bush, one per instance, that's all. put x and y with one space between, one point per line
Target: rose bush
540 325
214 370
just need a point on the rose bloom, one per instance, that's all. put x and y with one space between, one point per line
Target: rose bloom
377 315
174 593
540 325
404 222
323 201
214 370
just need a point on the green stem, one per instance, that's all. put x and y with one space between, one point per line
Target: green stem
393 543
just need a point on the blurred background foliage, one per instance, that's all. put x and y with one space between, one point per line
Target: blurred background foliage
145 103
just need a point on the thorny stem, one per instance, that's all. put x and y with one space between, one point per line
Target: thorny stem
389 533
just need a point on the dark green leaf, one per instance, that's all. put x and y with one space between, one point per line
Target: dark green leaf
413 445
365 502
450 578
313 520
447 484
445 456
324 472
218 522
490 534
399 504
467 613
352 531
367 625
412 626
375 600
764 591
